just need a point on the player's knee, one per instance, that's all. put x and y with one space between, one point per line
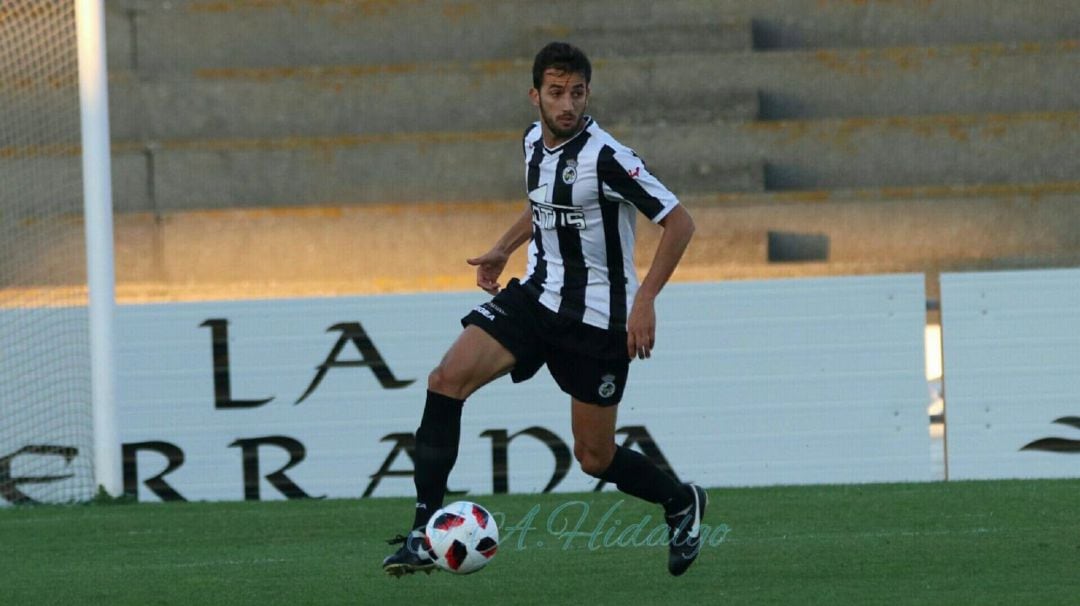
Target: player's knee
446 381
594 459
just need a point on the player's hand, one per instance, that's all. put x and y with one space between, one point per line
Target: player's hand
641 329
489 267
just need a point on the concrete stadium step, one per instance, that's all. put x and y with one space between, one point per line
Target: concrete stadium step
756 156
670 88
325 101
678 88
906 81
166 35
336 249
386 248
483 165
902 225
237 173
892 151
785 155
180 35
132 185
866 23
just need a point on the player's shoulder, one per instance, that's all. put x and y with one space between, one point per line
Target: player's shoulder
606 144
531 134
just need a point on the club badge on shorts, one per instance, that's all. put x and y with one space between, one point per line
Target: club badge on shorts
607 386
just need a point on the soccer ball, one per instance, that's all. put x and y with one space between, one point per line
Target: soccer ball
463 537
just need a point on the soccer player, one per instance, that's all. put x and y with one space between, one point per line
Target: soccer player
580 309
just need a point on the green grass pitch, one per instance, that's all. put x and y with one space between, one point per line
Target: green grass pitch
1003 542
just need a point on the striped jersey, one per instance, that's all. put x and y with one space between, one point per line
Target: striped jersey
585 195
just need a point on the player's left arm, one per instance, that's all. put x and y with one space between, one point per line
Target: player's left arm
489 266
625 177
641 325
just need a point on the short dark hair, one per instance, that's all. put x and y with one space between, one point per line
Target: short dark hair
563 57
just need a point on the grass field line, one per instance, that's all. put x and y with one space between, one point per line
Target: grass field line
908 533
882 534
154 531
215 563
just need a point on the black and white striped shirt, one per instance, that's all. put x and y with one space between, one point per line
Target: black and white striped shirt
584 196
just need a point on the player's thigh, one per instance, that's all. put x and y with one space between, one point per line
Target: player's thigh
474 360
594 434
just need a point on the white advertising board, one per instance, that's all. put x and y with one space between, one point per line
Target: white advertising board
791 381
1012 373
751 383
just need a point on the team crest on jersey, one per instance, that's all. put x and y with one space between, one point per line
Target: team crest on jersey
569 174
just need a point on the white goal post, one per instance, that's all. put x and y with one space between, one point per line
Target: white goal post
97 204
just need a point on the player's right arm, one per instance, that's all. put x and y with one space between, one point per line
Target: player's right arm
490 264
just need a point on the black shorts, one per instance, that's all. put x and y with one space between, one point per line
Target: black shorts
587 362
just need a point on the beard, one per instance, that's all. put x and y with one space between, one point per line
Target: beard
558 129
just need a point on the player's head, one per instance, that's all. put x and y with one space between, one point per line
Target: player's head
561 76
561 57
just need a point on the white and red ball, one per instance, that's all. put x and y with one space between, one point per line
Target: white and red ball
463 537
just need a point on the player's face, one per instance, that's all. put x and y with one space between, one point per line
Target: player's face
562 99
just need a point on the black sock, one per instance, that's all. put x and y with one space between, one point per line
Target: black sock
436 451
636 475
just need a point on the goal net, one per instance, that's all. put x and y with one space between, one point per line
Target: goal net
46 430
